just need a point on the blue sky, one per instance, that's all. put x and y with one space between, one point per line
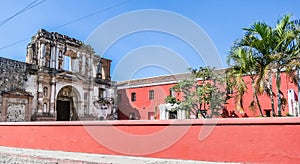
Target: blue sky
221 20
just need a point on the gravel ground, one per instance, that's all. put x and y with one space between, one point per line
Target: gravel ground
9 155
13 159
5 158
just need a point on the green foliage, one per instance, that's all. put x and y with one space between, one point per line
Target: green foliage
264 52
203 91
171 100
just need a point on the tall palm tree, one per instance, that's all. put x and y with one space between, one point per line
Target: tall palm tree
297 47
258 42
242 63
285 54
273 50
235 75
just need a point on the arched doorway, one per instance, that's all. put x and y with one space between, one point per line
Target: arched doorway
66 106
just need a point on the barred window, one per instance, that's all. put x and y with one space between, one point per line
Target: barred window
133 96
151 94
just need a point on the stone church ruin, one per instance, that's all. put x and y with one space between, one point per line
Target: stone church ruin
62 80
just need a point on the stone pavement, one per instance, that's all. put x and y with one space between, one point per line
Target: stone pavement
21 156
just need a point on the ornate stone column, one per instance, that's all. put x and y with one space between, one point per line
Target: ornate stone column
29 55
42 54
52 95
57 56
4 109
29 108
53 57
40 94
83 64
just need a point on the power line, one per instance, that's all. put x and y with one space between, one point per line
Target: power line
29 6
14 43
89 15
70 22
36 4
19 12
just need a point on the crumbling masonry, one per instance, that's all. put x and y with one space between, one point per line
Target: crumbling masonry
63 79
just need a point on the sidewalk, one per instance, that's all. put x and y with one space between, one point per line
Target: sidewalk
21 155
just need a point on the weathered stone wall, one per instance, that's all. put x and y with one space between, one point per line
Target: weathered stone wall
13 74
31 87
16 110
55 62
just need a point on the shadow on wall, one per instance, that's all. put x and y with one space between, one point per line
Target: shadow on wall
126 111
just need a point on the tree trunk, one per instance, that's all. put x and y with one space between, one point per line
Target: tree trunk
257 100
271 94
298 71
278 81
259 107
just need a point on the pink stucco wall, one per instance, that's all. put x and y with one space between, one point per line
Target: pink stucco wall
142 106
263 140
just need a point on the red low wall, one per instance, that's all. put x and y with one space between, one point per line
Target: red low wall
274 140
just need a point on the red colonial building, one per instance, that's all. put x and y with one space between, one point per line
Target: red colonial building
140 99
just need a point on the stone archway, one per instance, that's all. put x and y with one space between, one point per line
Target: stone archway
66 106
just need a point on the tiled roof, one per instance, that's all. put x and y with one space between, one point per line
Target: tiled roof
158 80
154 80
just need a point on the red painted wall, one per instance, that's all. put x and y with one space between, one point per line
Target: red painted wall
265 100
142 106
261 140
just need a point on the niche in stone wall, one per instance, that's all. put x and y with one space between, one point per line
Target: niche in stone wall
15 112
16 106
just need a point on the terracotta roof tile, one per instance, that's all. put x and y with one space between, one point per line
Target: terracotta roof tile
154 80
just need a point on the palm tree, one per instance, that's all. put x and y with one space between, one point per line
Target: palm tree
297 45
258 43
285 54
243 64
273 50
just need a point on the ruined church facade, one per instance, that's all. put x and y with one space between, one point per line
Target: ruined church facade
62 80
